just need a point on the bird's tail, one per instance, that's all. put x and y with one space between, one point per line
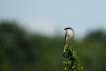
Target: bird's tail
64 50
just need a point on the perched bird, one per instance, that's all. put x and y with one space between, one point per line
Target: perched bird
68 36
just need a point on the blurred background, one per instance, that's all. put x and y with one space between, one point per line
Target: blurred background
32 35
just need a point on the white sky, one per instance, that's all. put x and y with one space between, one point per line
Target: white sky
52 16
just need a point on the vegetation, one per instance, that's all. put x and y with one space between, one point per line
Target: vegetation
72 63
21 51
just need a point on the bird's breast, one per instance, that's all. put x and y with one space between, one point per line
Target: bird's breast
70 33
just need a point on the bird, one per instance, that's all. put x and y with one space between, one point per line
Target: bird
68 36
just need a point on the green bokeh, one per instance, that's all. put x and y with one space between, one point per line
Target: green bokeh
21 51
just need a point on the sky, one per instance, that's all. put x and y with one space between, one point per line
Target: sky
50 17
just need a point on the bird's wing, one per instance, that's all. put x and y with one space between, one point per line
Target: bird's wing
65 39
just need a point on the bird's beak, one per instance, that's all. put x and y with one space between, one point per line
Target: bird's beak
65 29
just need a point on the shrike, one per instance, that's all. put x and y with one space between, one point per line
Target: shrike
68 36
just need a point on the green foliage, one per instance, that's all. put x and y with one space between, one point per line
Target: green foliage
23 51
72 63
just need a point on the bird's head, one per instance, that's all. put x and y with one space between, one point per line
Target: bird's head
67 28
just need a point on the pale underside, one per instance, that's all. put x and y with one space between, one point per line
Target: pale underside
69 35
